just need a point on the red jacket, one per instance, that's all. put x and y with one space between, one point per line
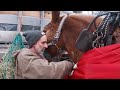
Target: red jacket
99 63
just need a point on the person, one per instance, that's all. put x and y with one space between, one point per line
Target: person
31 64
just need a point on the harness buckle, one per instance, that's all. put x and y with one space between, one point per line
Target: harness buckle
95 43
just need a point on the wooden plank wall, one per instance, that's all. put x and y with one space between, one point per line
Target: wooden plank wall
29 13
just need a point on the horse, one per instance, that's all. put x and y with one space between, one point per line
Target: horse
64 35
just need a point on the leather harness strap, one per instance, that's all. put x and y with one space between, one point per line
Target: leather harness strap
102 36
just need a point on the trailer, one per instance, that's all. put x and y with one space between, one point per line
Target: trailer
12 22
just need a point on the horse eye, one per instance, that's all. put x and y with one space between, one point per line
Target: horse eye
44 31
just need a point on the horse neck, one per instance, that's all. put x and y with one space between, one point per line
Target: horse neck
70 32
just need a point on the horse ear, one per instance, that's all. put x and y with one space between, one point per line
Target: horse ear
55 16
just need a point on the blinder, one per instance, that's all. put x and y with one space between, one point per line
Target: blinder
84 40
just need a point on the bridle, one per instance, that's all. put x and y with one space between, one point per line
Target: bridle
57 36
103 34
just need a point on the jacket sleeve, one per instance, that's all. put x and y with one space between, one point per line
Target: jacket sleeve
37 68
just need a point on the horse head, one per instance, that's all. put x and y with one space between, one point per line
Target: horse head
50 30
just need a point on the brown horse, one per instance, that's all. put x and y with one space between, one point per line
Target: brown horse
71 28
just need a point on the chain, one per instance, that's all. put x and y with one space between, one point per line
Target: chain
101 32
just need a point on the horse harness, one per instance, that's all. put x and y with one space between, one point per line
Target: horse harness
57 36
102 36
